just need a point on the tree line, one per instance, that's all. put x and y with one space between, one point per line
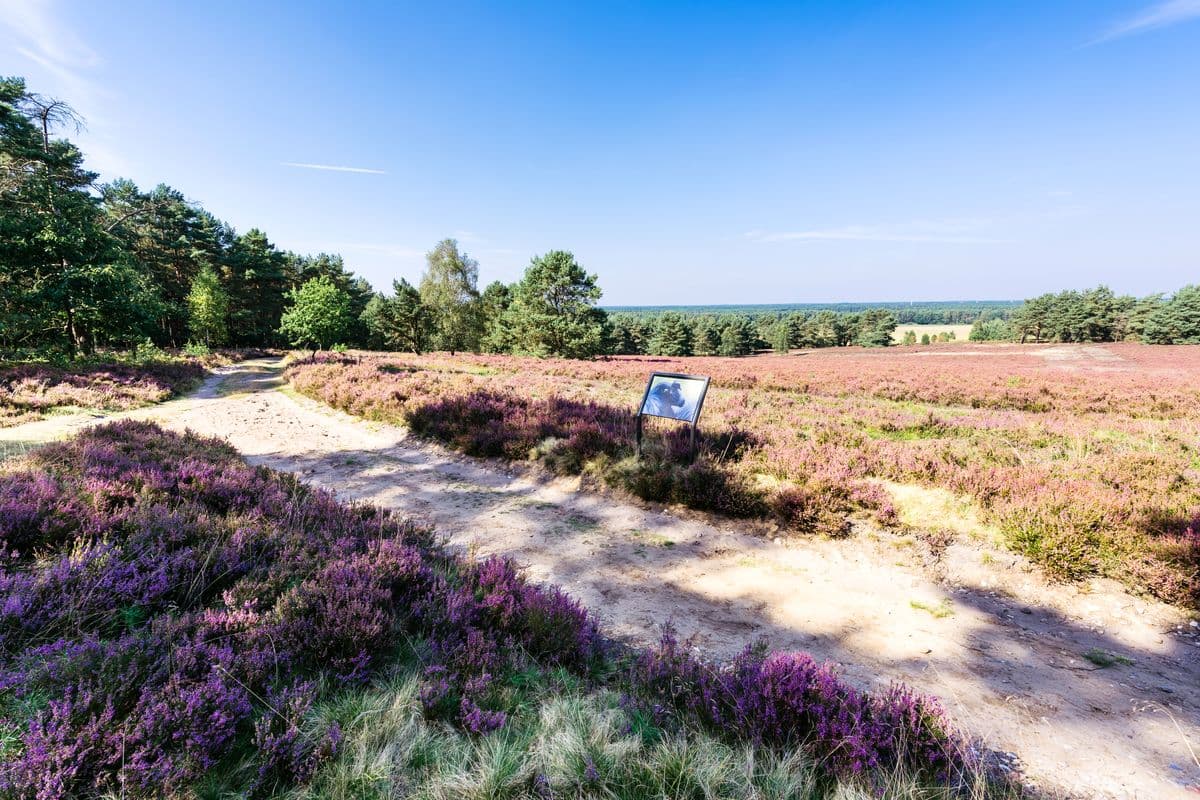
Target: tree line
933 312
1099 315
551 311
672 333
89 265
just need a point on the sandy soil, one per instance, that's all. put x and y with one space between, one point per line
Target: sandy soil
968 621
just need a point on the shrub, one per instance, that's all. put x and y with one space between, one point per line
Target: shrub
28 391
783 699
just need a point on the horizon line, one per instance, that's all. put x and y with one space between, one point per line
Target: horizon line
623 307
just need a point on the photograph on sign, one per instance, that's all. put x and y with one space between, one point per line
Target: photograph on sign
674 397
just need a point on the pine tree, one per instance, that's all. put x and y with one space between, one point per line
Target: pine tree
876 327
553 312
494 301
1177 321
672 336
737 338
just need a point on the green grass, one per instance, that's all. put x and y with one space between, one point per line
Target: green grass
566 737
1104 659
651 539
562 742
581 523
940 611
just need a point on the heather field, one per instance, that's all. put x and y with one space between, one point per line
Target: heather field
1081 457
178 623
31 391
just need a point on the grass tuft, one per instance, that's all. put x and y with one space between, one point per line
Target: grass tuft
938 611
1104 659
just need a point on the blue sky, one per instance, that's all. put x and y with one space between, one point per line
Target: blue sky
685 152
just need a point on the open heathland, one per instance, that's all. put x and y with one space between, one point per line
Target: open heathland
178 622
30 391
1082 457
33 389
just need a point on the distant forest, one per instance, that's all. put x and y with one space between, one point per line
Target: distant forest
86 266
925 312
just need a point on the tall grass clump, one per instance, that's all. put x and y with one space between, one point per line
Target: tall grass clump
175 622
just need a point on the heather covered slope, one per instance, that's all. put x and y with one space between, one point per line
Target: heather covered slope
30 391
174 620
1008 650
1084 458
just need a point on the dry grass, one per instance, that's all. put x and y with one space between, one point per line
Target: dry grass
568 744
961 333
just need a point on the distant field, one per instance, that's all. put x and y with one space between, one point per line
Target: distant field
961 332
1082 457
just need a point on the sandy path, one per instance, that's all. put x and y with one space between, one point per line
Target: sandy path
1007 657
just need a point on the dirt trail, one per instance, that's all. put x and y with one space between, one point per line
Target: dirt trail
1002 647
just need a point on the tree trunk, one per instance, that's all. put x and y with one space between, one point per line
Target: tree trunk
71 349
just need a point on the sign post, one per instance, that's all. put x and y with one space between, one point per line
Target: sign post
671 395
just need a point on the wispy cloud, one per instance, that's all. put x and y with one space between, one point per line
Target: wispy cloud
34 23
68 64
927 232
333 168
1161 15
38 37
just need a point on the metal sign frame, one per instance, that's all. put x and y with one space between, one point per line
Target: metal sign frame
695 417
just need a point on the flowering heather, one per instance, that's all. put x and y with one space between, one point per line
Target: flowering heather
28 391
1085 458
168 612
165 605
780 699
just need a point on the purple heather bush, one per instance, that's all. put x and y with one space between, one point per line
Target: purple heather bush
165 606
29 390
166 609
493 418
781 699
567 435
